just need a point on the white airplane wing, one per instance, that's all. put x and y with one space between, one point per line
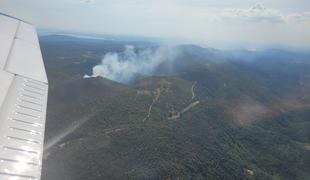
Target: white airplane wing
23 99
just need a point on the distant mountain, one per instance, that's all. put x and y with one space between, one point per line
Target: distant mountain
209 114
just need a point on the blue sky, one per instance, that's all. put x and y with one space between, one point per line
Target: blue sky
231 22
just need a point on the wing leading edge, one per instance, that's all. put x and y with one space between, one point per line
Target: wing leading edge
23 99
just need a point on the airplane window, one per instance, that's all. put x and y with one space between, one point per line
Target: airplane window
145 89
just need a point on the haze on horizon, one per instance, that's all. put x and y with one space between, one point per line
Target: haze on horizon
244 23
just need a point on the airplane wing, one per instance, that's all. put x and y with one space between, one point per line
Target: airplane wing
23 99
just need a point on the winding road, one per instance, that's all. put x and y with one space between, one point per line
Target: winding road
178 114
189 107
155 99
193 90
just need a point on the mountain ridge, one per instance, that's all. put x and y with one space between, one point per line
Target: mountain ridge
251 122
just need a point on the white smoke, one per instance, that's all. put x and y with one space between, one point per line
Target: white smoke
122 67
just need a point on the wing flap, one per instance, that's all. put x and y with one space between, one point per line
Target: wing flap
27 33
23 101
8 30
24 58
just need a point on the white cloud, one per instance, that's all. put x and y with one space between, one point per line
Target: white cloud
88 1
296 17
256 13
259 13
276 23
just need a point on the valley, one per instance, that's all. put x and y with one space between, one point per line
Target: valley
232 119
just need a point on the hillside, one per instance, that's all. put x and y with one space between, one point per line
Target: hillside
208 117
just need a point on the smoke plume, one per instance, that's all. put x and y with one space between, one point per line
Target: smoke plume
123 67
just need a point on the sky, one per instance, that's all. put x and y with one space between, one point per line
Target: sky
248 23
